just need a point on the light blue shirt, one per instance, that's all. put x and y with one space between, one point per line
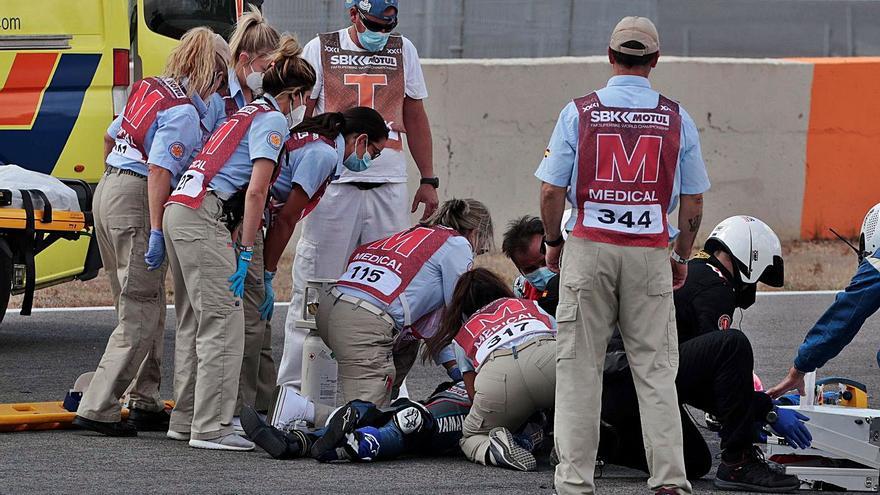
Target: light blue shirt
263 139
559 167
465 363
432 286
310 167
172 140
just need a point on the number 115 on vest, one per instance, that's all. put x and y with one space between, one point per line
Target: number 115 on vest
380 278
629 219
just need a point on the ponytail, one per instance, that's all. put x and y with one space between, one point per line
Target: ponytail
466 216
196 59
357 121
252 35
288 72
474 290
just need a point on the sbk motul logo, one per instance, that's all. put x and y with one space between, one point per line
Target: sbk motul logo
363 60
629 117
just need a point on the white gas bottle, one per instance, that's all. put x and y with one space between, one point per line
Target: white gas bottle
319 370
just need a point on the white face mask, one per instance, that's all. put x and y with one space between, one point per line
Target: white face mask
254 80
295 116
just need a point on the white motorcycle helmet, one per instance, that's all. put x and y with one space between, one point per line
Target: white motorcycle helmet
869 238
754 247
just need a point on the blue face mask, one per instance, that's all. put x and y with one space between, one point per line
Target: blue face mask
540 277
358 164
373 41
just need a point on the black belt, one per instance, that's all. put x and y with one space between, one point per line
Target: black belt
122 171
365 186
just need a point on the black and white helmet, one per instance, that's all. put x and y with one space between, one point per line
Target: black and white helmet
754 247
869 239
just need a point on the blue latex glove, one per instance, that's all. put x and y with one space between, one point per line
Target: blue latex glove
236 281
155 250
268 305
790 425
454 373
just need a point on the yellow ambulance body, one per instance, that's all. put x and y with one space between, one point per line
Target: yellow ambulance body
65 69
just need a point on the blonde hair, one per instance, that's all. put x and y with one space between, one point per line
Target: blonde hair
252 35
466 216
195 59
288 72
221 48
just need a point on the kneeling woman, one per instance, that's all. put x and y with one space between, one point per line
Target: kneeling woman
506 350
240 156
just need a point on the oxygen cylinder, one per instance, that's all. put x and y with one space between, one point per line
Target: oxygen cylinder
319 371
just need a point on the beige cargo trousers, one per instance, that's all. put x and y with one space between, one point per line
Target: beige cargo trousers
134 350
604 286
210 321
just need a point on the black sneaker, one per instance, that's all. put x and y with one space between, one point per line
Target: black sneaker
144 420
505 452
342 422
754 474
278 444
117 429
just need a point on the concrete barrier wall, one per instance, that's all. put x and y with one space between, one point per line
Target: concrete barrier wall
790 141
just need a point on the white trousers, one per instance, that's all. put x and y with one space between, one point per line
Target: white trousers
345 218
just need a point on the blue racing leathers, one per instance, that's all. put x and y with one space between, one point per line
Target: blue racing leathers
843 320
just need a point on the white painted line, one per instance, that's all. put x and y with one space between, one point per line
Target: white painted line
14 311
799 293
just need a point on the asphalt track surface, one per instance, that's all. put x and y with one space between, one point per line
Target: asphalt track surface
41 355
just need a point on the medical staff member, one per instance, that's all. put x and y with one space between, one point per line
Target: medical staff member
363 64
523 244
625 175
240 157
164 123
252 42
318 150
844 318
505 348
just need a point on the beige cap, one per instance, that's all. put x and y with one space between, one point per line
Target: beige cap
639 29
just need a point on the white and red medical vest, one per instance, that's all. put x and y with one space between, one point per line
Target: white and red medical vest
297 141
375 80
148 97
500 322
385 268
627 159
194 182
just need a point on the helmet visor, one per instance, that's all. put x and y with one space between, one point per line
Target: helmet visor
774 275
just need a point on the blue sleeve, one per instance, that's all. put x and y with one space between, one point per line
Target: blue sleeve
267 133
842 321
694 178
115 126
464 364
457 261
315 163
446 354
178 133
216 113
559 159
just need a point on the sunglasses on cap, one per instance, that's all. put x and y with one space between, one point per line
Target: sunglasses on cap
377 27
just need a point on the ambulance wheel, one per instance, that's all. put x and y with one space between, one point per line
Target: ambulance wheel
5 284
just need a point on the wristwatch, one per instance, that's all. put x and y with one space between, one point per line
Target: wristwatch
555 243
771 417
431 181
677 258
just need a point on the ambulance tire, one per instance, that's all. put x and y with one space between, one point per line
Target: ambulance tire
5 283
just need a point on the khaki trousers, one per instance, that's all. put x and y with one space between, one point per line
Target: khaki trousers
363 345
210 327
256 384
509 388
134 350
604 286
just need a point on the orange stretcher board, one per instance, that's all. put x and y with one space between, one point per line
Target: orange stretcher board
41 416
62 220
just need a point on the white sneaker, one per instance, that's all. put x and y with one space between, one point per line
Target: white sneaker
505 452
226 442
291 408
176 435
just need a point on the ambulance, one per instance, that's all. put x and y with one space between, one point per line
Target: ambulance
65 71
